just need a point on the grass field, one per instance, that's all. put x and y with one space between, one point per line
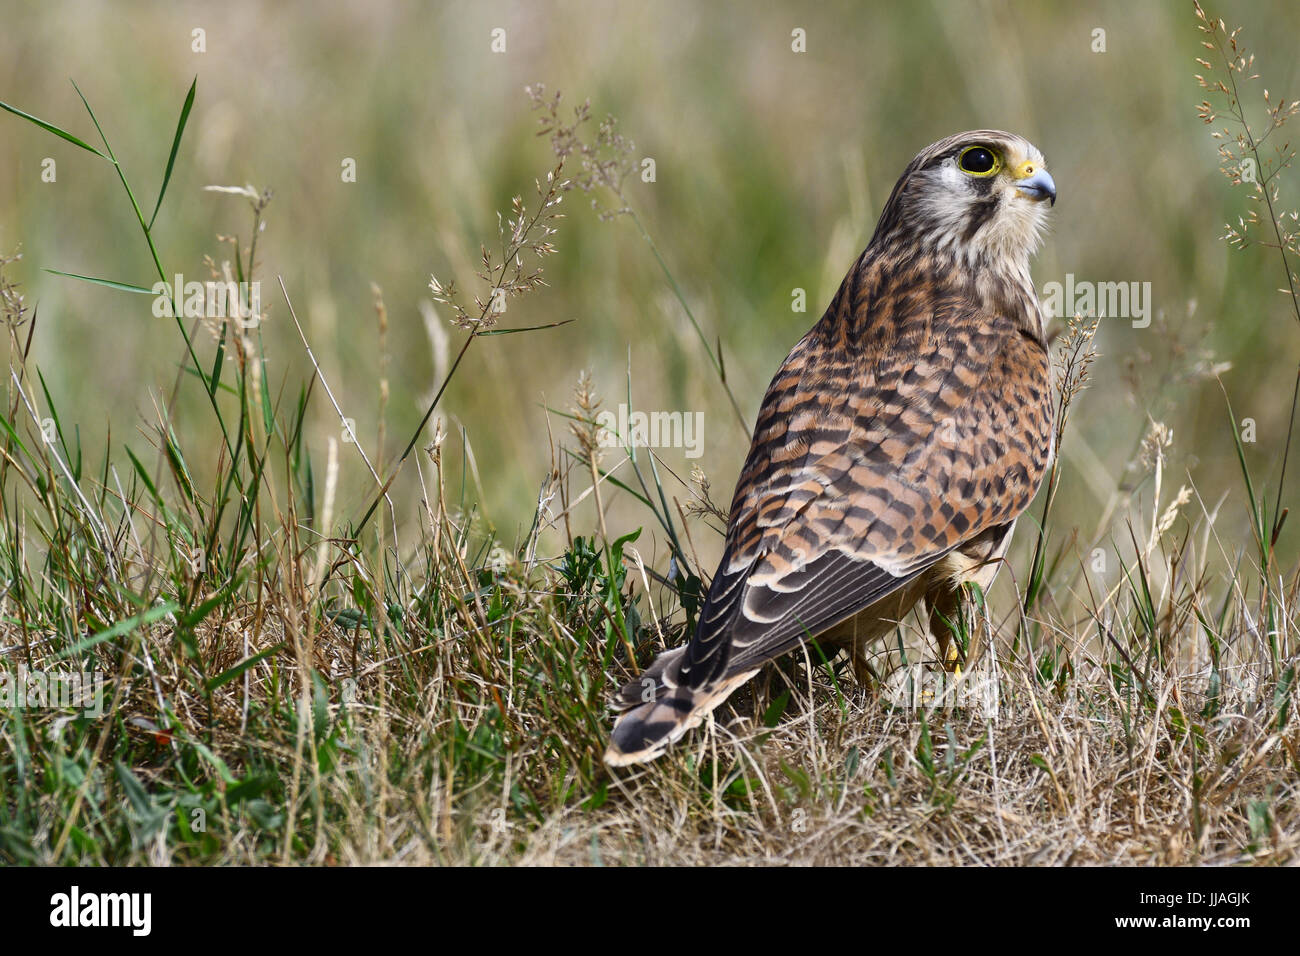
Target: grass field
349 576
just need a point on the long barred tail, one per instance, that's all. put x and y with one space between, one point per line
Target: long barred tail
662 710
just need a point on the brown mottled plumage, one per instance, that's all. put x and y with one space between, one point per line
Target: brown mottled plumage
895 447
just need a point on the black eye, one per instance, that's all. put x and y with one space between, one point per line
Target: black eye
978 160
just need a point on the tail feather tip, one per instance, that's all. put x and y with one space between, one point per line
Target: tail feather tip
638 737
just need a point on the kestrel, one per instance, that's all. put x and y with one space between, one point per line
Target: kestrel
895 447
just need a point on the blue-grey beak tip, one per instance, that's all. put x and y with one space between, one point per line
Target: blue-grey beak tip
1039 186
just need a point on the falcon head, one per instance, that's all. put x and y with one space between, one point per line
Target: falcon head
982 196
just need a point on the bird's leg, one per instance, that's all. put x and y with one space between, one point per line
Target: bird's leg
855 639
949 623
860 657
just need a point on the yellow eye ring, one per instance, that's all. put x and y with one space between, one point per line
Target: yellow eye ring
979 161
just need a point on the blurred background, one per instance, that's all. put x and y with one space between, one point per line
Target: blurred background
771 167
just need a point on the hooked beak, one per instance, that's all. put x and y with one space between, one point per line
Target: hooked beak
1036 183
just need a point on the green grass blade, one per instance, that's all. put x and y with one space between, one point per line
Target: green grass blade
180 470
109 283
51 128
120 628
218 361
527 328
143 475
133 788
54 412
13 435
268 413
194 617
226 676
1258 516
208 384
176 145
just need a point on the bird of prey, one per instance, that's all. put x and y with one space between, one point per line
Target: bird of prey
895 447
